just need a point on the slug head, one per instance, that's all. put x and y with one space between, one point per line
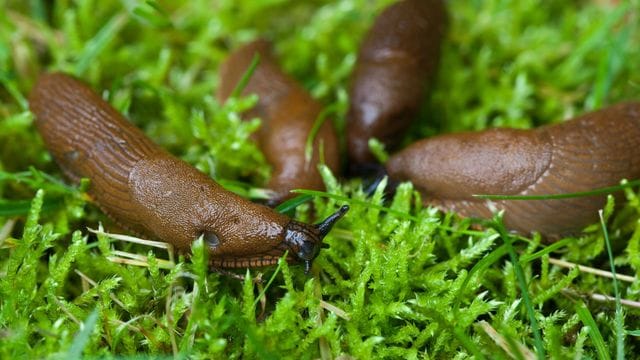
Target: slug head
305 240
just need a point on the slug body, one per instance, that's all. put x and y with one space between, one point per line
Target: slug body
288 113
397 61
593 151
151 192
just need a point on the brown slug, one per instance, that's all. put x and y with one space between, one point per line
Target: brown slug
151 192
288 113
396 62
592 151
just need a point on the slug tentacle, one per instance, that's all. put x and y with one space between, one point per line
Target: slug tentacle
305 242
595 150
325 226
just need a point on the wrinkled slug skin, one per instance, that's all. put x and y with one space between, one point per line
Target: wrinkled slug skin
288 113
592 151
397 61
146 189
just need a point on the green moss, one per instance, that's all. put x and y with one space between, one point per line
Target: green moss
398 280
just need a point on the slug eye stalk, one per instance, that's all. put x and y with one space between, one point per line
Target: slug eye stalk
306 240
325 226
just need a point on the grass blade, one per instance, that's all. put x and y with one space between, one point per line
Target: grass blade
21 207
594 333
599 191
483 264
400 214
244 80
539 345
317 124
11 86
619 317
468 343
82 338
99 42
291 204
547 250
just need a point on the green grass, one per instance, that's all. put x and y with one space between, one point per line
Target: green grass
398 280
